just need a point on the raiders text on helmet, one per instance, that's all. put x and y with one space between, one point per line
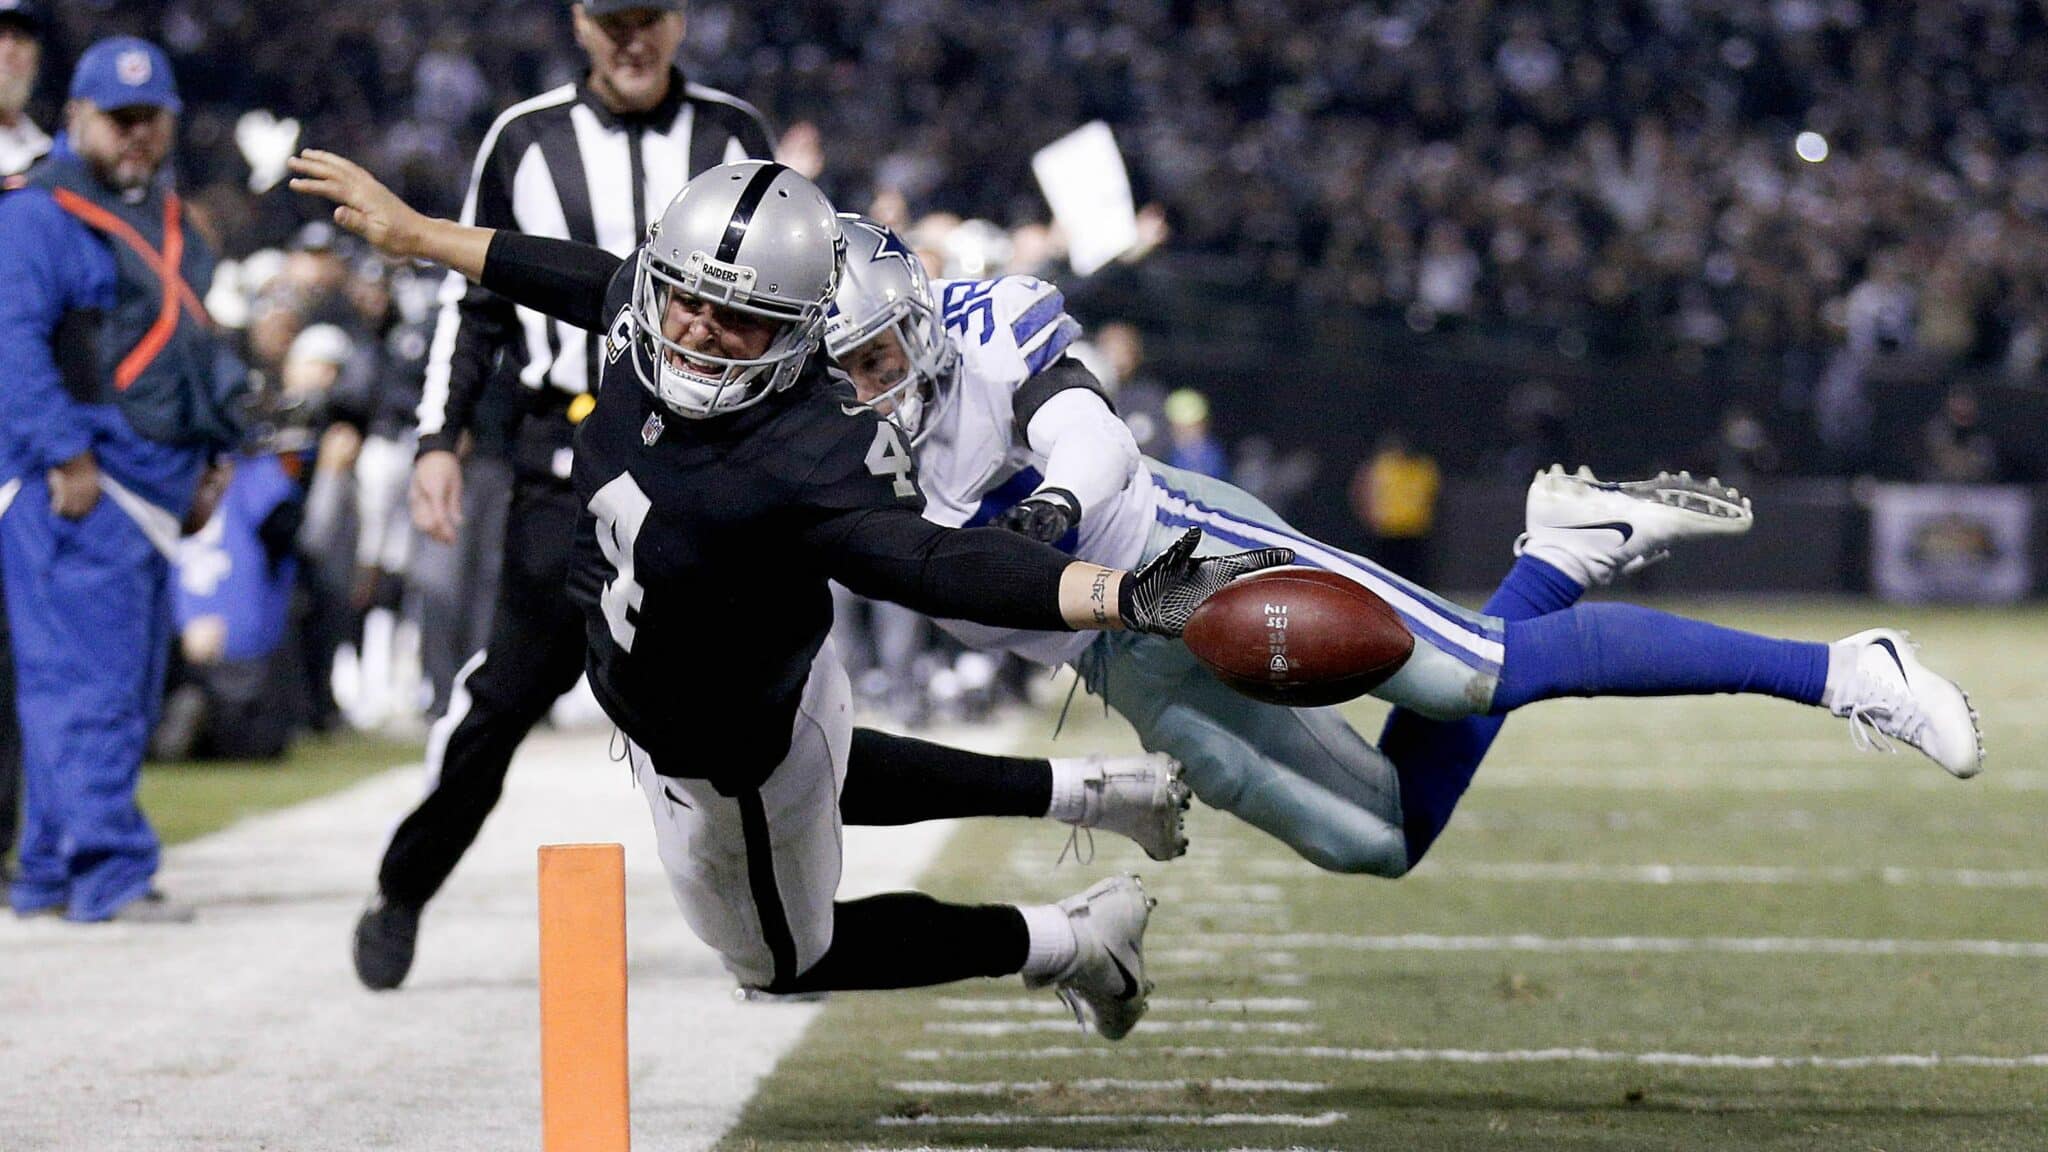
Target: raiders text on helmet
755 237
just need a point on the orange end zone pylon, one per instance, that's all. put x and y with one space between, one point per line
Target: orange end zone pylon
584 1098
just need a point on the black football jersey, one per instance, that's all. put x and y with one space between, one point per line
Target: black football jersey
697 562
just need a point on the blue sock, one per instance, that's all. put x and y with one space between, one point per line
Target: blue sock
1435 759
1624 650
1531 589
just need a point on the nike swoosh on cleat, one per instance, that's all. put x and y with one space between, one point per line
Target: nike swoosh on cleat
1894 654
1626 529
1130 991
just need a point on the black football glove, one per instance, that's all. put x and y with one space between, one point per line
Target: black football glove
1046 515
1160 597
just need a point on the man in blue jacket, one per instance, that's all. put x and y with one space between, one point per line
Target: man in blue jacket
113 392
22 143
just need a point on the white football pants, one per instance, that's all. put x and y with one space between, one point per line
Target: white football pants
755 874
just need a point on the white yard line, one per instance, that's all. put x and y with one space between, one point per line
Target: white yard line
1743 945
1758 874
1219 910
1204 957
1922 1060
1245 893
1881 774
1030 1027
1175 1119
1482 820
1040 1087
1043 1148
1041 1006
247 1029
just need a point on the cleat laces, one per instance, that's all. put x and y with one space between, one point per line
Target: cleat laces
1076 837
1894 716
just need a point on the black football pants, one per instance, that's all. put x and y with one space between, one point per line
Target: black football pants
534 655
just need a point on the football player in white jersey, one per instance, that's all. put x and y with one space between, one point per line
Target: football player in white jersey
1008 429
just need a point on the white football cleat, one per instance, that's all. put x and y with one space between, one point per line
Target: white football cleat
1890 695
1592 530
1106 985
1141 797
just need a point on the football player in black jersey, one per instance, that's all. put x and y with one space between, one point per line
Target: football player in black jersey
725 481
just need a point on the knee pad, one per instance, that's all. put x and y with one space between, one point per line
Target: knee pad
1229 773
1438 685
1352 842
1214 761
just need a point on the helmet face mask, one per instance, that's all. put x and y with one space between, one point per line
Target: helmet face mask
752 238
884 291
705 383
885 379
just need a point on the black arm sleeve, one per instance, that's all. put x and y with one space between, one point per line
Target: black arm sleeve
561 278
985 575
471 330
1062 374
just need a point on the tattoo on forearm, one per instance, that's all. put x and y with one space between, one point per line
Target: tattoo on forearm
1098 598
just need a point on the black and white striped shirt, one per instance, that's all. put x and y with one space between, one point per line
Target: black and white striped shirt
562 165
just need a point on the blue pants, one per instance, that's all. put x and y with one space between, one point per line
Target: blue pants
89 603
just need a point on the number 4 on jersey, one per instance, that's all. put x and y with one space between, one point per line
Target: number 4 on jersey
887 457
621 508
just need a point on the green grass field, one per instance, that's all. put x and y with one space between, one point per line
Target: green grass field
1653 924
186 801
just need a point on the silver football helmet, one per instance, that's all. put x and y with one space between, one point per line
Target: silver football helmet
755 237
884 288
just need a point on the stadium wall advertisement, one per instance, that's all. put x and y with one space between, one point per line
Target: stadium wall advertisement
1909 543
1951 543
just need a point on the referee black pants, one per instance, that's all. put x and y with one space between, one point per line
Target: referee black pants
534 655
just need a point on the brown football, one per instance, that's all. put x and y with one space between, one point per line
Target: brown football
1301 637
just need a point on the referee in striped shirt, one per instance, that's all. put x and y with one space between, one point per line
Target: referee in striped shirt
593 162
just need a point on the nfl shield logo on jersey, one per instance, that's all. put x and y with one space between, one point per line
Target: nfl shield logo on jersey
651 431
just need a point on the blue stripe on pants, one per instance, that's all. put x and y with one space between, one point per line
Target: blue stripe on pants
1473 639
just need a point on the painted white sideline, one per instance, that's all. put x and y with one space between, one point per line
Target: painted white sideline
1719 772
1727 1060
1028 1027
1176 1119
1100 1084
248 1029
1741 945
1039 1006
1550 872
1207 957
1039 1148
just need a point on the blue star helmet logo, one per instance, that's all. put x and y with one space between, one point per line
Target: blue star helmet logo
892 245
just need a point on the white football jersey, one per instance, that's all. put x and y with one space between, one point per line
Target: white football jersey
975 463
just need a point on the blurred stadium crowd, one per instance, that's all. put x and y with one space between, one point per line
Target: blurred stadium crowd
1809 183
1625 172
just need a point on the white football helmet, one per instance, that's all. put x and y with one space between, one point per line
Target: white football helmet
755 237
883 288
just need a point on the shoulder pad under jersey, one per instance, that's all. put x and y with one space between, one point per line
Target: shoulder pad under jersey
840 455
1008 329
